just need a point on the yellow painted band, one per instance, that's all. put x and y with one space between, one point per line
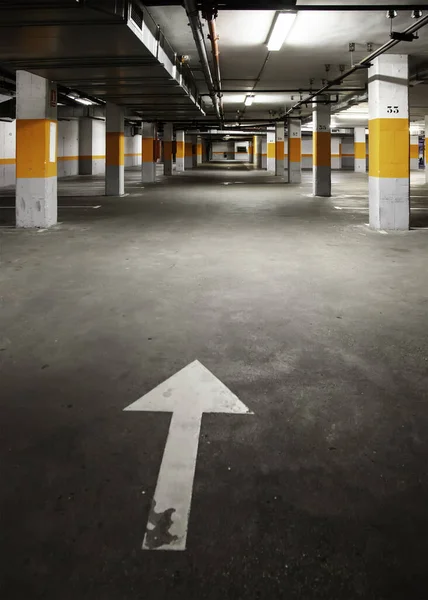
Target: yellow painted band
280 148
414 151
148 150
7 161
199 149
181 153
62 158
189 149
271 150
389 148
115 148
92 157
167 150
359 149
322 149
32 149
295 149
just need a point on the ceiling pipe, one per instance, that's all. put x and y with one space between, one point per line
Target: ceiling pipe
196 26
290 91
363 64
210 14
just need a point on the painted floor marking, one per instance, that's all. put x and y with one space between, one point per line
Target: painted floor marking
187 395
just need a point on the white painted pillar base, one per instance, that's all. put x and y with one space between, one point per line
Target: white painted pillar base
36 151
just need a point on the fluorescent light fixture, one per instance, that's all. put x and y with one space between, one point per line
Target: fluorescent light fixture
249 100
83 101
281 28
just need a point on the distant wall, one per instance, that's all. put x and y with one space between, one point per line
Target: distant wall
223 150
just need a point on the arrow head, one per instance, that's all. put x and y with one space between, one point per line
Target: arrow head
194 389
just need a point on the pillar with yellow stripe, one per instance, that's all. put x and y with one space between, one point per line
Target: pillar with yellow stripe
148 165
257 151
414 153
181 151
389 144
188 157
168 136
194 141
271 150
115 151
199 143
360 164
36 151
280 148
294 151
321 149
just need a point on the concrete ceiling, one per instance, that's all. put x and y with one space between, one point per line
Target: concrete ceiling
318 38
110 60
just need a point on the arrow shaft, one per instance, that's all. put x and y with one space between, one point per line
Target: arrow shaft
169 516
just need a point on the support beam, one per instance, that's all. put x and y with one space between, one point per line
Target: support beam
168 137
321 149
294 151
389 184
36 151
360 158
115 151
181 151
148 165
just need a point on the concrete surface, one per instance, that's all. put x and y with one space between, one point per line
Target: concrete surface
317 323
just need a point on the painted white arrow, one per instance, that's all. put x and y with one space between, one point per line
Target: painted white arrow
187 395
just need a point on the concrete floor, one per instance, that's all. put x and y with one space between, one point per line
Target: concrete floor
318 324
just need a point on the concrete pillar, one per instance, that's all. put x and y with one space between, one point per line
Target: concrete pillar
336 161
188 158
271 150
251 152
36 151
294 151
285 154
279 149
168 136
360 150
148 165
91 147
264 145
414 153
199 150
205 157
426 149
389 143
321 149
181 151
115 151
194 142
